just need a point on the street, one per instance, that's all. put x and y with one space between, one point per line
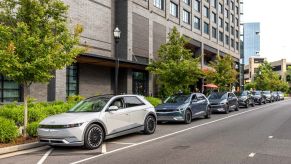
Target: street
257 135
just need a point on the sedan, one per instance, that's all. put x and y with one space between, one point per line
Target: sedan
281 95
183 108
245 99
223 102
259 97
269 97
276 96
98 118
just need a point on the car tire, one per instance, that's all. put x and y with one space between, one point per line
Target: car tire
94 137
247 104
188 117
265 102
236 107
226 110
253 104
208 113
150 125
261 102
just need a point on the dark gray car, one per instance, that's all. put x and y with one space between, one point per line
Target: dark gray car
223 102
183 108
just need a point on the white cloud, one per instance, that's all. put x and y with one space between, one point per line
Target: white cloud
274 17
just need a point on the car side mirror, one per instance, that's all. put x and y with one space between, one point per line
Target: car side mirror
112 108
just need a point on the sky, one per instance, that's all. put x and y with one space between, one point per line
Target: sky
275 19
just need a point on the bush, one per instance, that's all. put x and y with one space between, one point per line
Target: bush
32 129
13 112
8 130
75 98
154 101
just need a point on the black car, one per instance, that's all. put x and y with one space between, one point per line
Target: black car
245 99
259 97
269 96
276 96
223 102
281 95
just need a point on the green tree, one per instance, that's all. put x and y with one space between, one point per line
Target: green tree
264 77
250 86
175 68
34 41
223 73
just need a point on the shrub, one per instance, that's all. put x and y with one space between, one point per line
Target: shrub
154 101
8 130
32 129
75 98
13 112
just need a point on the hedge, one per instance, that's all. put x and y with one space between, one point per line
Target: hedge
154 101
32 129
8 130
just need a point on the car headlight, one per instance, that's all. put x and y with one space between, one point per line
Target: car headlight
60 126
73 125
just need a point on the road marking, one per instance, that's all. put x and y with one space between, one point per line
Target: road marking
45 156
171 134
103 148
23 152
270 137
252 155
122 143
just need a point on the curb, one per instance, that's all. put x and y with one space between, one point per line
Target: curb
11 149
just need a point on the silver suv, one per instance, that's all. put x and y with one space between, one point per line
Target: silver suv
98 118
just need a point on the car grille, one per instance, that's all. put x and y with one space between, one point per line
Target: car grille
51 126
166 110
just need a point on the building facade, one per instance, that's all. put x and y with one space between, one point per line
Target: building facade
251 68
211 26
251 41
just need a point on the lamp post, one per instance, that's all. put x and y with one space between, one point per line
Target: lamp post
116 34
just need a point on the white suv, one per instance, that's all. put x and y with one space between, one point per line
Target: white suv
97 118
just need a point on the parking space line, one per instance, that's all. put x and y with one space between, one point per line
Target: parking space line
174 133
252 155
103 148
45 156
122 143
23 152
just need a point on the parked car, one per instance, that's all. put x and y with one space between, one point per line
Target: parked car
183 108
98 118
269 96
259 97
223 102
245 99
276 96
281 95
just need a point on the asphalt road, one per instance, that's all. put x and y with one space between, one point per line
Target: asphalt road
258 135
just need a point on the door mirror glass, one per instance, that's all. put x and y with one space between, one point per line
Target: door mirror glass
112 108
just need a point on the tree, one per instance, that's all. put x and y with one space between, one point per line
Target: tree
264 76
176 69
250 86
35 41
223 73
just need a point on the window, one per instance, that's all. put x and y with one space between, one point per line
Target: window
214 32
72 80
9 90
227 2
226 26
236 10
232 18
197 23
220 8
159 4
197 5
186 16
232 30
227 39
139 83
232 5
206 12
206 28
237 33
132 102
232 43
237 22
187 2
213 3
237 45
213 17
226 13
220 22
119 103
174 9
220 36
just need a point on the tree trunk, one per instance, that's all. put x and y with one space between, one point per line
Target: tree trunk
26 97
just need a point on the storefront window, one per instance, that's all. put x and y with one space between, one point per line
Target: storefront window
140 83
72 80
9 90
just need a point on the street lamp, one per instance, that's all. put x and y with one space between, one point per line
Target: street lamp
116 34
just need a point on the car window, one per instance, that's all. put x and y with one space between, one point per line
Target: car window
232 95
118 102
194 97
201 97
132 101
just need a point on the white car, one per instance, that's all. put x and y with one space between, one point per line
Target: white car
98 118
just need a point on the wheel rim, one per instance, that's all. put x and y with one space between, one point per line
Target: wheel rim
151 124
188 116
95 136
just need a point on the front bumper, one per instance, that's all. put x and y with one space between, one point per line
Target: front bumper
218 108
242 102
62 137
171 116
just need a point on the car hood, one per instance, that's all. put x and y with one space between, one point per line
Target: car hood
242 97
215 101
169 106
70 118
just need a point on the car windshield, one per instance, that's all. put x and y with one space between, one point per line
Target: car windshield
95 104
257 93
218 95
177 99
244 93
266 92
